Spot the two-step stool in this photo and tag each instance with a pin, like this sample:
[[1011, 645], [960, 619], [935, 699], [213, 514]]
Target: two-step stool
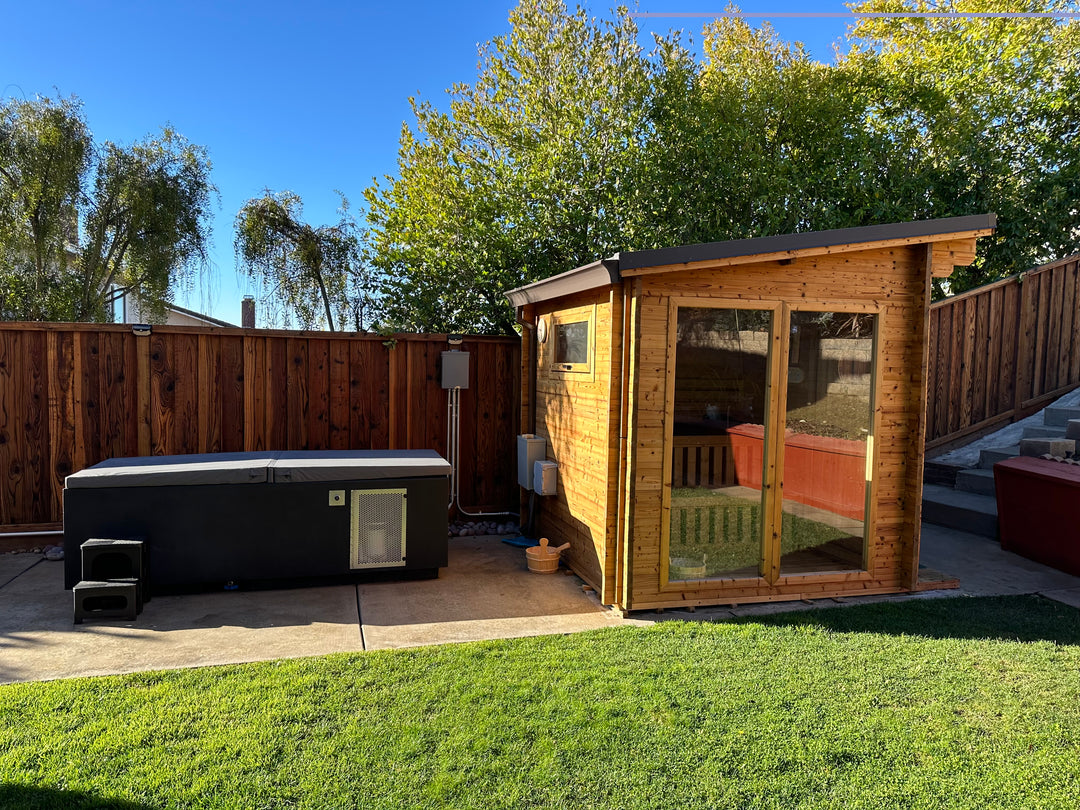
[[113, 584]]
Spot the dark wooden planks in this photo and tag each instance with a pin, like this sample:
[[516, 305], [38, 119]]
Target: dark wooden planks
[[74, 394]]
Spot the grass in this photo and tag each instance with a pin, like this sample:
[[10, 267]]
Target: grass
[[724, 531], [837, 415], [921, 704]]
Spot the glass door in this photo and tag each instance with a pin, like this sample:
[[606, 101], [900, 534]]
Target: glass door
[[720, 402], [827, 440], [724, 519]]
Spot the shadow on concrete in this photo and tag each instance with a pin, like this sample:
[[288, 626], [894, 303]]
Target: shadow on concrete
[[35, 601], [29, 797], [1006, 618]]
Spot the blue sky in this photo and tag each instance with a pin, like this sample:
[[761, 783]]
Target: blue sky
[[307, 96]]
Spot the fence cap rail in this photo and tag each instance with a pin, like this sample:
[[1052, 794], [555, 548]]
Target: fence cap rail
[[237, 331]]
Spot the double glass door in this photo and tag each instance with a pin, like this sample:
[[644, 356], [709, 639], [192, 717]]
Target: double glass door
[[771, 413]]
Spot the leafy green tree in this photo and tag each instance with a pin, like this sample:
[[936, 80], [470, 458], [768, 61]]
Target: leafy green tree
[[317, 275], [989, 109], [760, 139], [80, 226], [528, 173], [45, 151], [572, 144]]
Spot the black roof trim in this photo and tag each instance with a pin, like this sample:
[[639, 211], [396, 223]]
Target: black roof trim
[[608, 271], [802, 241], [600, 273]]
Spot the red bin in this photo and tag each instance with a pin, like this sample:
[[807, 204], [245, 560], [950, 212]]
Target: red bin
[[1039, 510]]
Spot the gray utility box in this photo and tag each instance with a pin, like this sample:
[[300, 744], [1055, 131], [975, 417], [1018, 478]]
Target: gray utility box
[[530, 449], [545, 477], [455, 370], [284, 517]]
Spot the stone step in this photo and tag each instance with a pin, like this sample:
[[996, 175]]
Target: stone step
[[964, 511], [1072, 429], [1045, 432], [980, 482], [1059, 415], [992, 455], [1042, 447]]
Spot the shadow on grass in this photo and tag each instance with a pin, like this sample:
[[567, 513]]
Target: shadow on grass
[[1008, 618], [29, 797]]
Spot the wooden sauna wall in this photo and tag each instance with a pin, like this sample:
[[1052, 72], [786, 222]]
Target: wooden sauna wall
[[578, 414], [895, 282]]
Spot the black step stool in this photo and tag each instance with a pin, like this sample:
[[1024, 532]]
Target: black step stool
[[107, 559], [105, 600]]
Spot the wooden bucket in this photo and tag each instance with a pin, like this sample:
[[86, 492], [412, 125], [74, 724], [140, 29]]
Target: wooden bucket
[[543, 559]]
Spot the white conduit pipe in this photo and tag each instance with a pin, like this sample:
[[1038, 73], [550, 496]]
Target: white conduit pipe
[[31, 534], [453, 404]]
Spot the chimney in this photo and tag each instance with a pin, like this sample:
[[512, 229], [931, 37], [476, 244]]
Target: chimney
[[247, 312]]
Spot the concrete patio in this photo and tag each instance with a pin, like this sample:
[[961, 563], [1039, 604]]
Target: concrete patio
[[485, 593]]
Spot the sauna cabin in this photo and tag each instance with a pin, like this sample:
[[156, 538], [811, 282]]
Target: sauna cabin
[[739, 421]]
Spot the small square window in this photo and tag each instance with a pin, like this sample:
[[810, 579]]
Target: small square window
[[572, 343]]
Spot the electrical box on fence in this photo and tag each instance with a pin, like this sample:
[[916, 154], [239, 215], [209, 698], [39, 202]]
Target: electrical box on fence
[[455, 370], [530, 449], [545, 476]]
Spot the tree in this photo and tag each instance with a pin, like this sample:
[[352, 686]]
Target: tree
[[45, 152], [527, 174], [316, 274], [990, 109], [143, 210], [572, 144], [760, 139]]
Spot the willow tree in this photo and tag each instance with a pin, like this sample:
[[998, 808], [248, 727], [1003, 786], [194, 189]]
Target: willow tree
[[81, 225], [315, 275]]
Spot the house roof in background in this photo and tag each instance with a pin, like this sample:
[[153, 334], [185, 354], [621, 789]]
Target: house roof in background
[[639, 262], [200, 316]]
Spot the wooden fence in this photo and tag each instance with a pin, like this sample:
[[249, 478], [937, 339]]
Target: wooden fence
[[72, 395], [1004, 350]]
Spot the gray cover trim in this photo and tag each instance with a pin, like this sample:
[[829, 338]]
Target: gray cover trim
[[282, 467], [588, 277], [296, 466], [189, 470]]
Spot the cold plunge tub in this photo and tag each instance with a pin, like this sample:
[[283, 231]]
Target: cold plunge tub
[[288, 517]]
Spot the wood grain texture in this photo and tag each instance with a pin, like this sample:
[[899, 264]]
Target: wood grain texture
[[72, 395], [895, 284], [574, 413], [999, 349]]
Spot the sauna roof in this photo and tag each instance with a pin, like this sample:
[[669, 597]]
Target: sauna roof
[[766, 248]]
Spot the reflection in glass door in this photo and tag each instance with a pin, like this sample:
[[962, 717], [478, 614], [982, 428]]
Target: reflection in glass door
[[721, 399], [826, 442]]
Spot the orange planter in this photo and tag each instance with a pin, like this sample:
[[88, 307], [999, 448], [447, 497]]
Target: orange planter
[[819, 471]]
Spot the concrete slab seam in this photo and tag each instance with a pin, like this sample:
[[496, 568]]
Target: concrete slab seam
[[360, 619], [5, 584]]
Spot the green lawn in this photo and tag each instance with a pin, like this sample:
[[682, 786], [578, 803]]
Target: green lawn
[[930, 703]]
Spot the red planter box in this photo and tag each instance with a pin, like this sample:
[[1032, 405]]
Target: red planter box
[[818, 471], [1037, 511]]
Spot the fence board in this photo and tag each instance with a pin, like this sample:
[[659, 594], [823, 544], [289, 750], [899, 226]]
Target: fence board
[[74, 394], [1003, 348]]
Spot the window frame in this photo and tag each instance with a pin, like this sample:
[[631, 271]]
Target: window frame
[[583, 314]]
